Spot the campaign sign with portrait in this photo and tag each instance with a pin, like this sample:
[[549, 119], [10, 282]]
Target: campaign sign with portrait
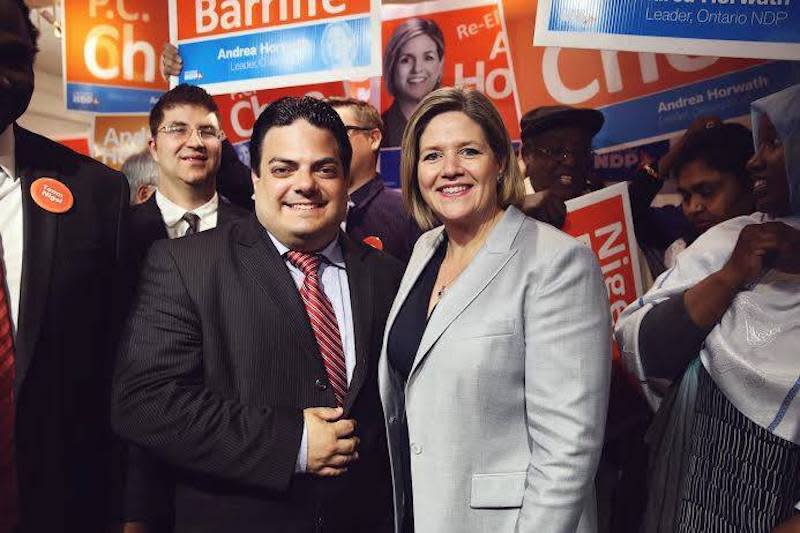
[[602, 220], [763, 29], [238, 111], [110, 53], [241, 45], [461, 43]]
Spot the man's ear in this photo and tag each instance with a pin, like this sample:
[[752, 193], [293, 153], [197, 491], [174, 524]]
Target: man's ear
[[151, 145], [375, 138], [144, 192], [253, 177]]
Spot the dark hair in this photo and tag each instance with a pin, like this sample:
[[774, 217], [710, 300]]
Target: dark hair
[[725, 148], [183, 94], [288, 110], [413, 27], [26, 14]]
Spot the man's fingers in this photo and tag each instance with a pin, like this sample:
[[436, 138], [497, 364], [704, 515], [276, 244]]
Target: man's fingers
[[345, 427], [331, 471], [329, 414], [341, 460]]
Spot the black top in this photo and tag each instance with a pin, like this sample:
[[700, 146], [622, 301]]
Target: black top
[[412, 318]]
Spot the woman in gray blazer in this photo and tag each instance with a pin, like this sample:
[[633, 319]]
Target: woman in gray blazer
[[495, 366]]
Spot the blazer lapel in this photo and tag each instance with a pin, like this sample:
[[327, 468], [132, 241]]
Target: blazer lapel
[[153, 223], [488, 262], [268, 271], [39, 233], [361, 284]]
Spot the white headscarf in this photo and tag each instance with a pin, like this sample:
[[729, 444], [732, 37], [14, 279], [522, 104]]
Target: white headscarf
[[753, 353]]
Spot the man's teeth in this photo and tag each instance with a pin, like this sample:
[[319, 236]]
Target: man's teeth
[[303, 206]]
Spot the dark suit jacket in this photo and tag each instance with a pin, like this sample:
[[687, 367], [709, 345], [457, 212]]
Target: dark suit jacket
[[66, 327], [216, 364], [378, 211], [145, 483], [147, 226]]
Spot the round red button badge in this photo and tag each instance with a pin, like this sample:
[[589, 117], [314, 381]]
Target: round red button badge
[[51, 195], [374, 241]]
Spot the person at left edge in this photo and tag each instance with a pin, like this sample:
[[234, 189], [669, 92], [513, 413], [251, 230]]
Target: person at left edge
[[57, 303], [251, 369]]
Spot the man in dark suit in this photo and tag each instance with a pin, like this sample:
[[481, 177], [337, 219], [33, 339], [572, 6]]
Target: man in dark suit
[[249, 361], [60, 227], [187, 147], [375, 213]]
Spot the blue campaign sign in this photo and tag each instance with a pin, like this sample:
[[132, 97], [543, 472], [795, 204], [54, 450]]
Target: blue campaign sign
[[661, 114], [102, 99], [231, 46], [767, 29]]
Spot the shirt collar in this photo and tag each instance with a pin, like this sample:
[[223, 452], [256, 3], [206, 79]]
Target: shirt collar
[[172, 212], [332, 252], [7, 161]]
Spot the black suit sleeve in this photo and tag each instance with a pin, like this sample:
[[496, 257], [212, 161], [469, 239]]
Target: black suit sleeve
[[233, 178], [161, 401]]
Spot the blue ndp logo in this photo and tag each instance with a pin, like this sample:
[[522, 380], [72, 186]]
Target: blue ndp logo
[[339, 45]]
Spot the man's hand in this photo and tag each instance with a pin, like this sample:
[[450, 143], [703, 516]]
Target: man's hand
[[768, 245], [546, 206], [171, 62], [331, 443]]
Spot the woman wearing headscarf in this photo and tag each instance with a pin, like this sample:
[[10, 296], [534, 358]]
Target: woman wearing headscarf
[[731, 461]]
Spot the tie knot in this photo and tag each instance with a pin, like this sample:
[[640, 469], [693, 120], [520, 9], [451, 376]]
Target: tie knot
[[306, 262], [193, 220]]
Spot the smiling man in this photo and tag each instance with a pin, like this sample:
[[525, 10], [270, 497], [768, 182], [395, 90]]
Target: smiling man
[[249, 364], [187, 147]]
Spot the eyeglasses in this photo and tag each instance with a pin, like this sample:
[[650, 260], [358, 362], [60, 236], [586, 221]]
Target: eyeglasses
[[562, 154], [182, 132], [353, 129]]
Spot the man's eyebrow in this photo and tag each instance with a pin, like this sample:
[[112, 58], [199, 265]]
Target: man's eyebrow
[[325, 161], [281, 160]]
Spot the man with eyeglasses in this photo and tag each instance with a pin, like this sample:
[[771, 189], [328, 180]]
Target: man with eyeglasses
[[375, 213], [186, 145], [557, 153]]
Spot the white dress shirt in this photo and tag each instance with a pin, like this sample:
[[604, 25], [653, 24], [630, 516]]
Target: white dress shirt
[[10, 222], [333, 276], [172, 214]]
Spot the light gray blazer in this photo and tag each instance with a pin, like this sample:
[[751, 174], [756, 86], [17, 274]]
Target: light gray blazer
[[507, 397]]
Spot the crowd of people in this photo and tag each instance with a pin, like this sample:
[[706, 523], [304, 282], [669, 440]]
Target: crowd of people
[[293, 347]]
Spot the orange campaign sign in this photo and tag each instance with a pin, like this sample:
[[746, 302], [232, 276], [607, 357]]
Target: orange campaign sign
[[602, 220], [78, 144], [238, 111], [458, 43], [111, 52], [117, 137]]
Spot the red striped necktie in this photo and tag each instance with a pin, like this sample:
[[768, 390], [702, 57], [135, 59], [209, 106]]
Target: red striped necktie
[[323, 321], [8, 476]]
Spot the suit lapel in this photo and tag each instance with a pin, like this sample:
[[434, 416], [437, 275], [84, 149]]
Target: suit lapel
[[268, 271], [154, 228], [40, 229], [488, 262], [361, 283]]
